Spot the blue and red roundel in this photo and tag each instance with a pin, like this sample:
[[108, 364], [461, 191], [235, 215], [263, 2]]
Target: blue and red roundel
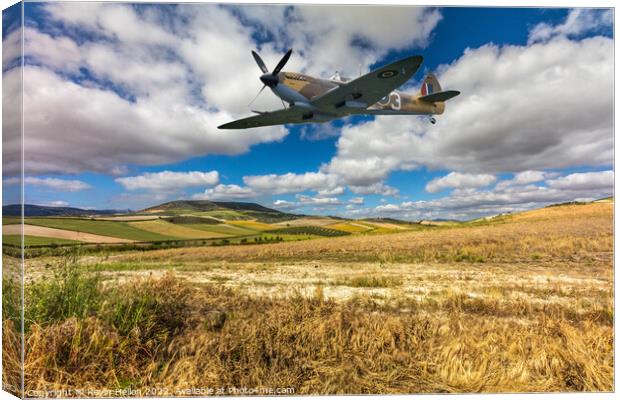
[[427, 88]]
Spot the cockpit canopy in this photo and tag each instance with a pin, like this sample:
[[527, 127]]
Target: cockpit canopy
[[337, 78]]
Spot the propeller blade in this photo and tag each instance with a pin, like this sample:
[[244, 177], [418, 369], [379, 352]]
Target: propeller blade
[[256, 97], [260, 62], [282, 62]]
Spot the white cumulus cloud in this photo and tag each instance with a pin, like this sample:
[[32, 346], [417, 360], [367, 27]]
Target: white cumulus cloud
[[293, 183], [578, 22], [55, 184], [169, 180], [457, 180], [225, 192], [584, 181]]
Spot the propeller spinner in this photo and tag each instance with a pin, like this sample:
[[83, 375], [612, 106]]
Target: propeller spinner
[[269, 79]]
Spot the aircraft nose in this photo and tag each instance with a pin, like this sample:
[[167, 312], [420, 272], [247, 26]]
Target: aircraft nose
[[269, 79]]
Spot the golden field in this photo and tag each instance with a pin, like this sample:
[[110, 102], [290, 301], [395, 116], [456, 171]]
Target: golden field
[[520, 303]]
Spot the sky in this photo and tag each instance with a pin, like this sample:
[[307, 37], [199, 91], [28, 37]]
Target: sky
[[122, 104]]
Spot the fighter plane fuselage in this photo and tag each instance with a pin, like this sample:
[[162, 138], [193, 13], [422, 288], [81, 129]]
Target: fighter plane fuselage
[[294, 88], [315, 100]]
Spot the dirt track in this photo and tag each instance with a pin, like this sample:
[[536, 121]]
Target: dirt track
[[61, 234]]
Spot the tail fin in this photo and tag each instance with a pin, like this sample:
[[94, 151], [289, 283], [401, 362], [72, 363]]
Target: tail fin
[[431, 91], [430, 85]]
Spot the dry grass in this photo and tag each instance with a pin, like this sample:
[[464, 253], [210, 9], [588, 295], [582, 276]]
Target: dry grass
[[521, 306], [317, 345]]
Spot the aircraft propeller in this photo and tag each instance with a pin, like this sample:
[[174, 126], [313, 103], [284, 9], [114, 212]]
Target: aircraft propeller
[[269, 78]]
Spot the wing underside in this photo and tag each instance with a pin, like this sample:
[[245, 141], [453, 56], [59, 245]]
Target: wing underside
[[291, 115]]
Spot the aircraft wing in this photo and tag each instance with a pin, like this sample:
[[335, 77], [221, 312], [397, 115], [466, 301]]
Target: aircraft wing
[[283, 116], [369, 88]]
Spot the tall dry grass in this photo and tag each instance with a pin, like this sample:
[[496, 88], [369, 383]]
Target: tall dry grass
[[316, 345]]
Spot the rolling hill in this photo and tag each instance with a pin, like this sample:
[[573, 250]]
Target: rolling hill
[[220, 209]]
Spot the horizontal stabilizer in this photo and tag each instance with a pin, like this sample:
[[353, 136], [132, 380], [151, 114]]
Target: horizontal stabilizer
[[440, 96]]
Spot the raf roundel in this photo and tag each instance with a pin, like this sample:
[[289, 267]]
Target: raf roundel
[[387, 74]]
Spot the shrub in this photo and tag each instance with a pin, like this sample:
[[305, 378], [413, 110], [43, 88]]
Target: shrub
[[70, 293]]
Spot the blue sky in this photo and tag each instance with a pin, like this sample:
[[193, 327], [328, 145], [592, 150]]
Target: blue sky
[[122, 103]]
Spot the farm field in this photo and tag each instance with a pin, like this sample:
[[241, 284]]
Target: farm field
[[181, 222], [253, 225], [60, 235], [36, 240], [515, 304], [351, 227], [164, 228], [116, 229]]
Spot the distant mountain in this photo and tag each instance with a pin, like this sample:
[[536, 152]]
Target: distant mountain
[[220, 209], [182, 205], [241, 206], [206, 205], [33, 210]]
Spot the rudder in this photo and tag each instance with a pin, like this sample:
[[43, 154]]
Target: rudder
[[430, 85]]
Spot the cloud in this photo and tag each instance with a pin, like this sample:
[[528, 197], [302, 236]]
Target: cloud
[[139, 101], [457, 180], [521, 108], [529, 177], [11, 48], [357, 200], [375, 188], [147, 85], [387, 208], [285, 205], [318, 201], [342, 38], [336, 191], [584, 181], [293, 183], [54, 184], [225, 192], [11, 121], [469, 204], [56, 203], [168, 180], [578, 22], [313, 132]]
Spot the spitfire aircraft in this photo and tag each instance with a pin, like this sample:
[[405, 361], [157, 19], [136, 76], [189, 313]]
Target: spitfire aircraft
[[320, 100]]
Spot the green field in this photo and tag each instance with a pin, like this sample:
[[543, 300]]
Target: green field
[[191, 219], [230, 215], [11, 220], [106, 228], [253, 225], [181, 231], [223, 229], [15, 240]]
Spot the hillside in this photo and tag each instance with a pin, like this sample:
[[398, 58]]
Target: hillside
[[182, 205], [220, 209]]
